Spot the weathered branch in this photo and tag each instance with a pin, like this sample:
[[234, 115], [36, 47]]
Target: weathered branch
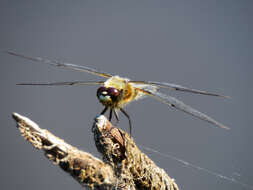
[[124, 166]]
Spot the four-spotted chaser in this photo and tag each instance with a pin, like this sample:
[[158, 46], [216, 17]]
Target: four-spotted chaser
[[116, 92]]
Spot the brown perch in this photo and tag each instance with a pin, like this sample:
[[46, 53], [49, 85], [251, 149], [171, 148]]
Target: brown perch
[[123, 166]]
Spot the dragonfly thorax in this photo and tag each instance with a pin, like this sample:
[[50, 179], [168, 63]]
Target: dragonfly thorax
[[108, 96]]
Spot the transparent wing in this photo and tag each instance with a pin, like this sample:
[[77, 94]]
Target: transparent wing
[[74, 83], [63, 65], [173, 102], [177, 87]]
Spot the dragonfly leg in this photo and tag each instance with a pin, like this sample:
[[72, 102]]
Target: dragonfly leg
[[104, 110], [116, 116], [129, 120], [110, 116]]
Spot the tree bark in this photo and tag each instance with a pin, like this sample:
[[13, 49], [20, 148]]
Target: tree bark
[[123, 165]]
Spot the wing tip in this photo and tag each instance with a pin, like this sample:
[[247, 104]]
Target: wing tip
[[224, 127], [13, 53], [9, 52], [213, 94], [228, 97], [29, 84]]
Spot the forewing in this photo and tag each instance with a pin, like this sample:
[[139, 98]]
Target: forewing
[[177, 87], [74, 83], [173, 102], [63, 65]]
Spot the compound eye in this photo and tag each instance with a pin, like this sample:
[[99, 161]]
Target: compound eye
[[101, 90], [113, 92]]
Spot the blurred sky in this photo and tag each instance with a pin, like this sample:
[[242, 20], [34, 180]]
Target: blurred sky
[[205, 45]]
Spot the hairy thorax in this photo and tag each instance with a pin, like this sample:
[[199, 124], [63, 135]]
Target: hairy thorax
[[122, 84]]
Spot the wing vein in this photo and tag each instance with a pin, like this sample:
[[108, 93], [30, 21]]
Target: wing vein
[[62, 64], [71, 83], [177, 87], [173, 102]]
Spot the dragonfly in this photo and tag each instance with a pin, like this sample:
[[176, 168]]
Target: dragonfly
[[116, 92]]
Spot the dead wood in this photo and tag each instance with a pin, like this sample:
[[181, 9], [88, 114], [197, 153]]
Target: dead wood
[[123, 165]]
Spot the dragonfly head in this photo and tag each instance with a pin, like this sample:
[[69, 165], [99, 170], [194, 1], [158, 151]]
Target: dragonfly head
[[108, 96]]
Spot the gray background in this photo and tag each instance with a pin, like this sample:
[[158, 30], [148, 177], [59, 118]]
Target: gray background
[[201, 44]]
